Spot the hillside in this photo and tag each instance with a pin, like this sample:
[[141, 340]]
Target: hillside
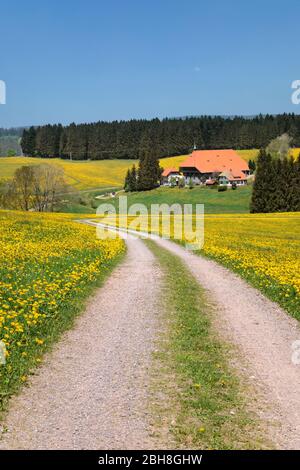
[[82, 175], [100, 174], [215, 202], [10, 141]]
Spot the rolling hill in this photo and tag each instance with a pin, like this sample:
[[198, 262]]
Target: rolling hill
[[97, 174]]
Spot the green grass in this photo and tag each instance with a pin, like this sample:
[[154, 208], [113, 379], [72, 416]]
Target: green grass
[[215, 202], [203, 401], [82, 202]]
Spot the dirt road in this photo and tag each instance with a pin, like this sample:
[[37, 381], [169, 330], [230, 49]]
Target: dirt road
[[264, 335], [92, 390]]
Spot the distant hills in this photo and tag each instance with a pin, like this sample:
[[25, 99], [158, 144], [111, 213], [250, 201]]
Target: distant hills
[[10, 141]]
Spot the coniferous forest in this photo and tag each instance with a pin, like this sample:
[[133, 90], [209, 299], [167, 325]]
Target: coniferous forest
[[129, 139], [277, 184]]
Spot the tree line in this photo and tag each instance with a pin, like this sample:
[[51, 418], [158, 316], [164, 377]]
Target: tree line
[[129, 139], [16, 131], [277, 184], [10, 142]]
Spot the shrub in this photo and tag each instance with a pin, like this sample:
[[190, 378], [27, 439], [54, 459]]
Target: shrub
[[222, 188], [181, 183], [172, 182]]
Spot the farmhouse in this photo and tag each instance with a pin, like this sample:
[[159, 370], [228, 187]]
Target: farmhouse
[[168, 174], [223, 166]]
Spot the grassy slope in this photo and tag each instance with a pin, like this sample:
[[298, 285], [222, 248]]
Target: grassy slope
[[93, 177], [109, 174], [224, 202], [203, 406], [251, 154], [82, 175]]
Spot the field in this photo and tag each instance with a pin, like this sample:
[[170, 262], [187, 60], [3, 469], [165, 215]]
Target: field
[[49, 264], [215, 202], [102, 174], [83, 175], [80, 175], [251, 154], [263, 249]]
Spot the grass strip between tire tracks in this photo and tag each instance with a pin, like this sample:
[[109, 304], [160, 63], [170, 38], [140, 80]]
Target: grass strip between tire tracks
[[204, 404]]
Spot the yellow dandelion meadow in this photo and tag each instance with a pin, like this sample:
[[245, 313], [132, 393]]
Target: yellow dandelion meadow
[[46, 261]]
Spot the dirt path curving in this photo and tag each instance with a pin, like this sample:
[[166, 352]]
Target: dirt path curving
[[264, 334], [92, 390]]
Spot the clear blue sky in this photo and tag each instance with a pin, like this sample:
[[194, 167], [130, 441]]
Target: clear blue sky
[[90, 60]]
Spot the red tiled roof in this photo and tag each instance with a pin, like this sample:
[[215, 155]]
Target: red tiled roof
[[210, 161], [168, 171], [235, 176]]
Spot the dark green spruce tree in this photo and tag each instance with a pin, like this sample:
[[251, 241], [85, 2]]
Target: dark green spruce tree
[[252, 165], [263, 187], [28, 142], [295, 186], [130, 183], [149, 171], [133, 178], [127, 179]]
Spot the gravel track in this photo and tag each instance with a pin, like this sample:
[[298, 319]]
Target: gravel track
[[92, 391], [264, 334]]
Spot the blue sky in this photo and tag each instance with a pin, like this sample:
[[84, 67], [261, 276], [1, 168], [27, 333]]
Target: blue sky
[[84, 61]]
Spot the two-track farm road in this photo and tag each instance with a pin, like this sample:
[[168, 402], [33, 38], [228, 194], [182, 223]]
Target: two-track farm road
[[91, 392], [264, 334]]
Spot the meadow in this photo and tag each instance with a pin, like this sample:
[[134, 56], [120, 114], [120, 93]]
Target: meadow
[[83, 175], [48, 266], [101, 174], [262, 248], [215, 202], [80, 175]]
